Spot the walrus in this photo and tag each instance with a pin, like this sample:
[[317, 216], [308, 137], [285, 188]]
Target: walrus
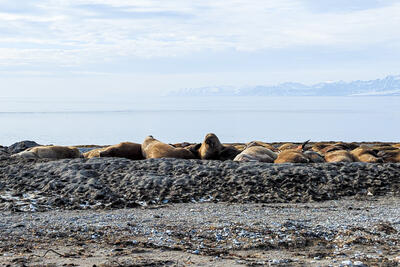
[[263, 144], [152, 148], [184, 144], [211, 148], [338, 146], [314, 157], [318, 147], [287, 146], [94, 153], [383, 147], [366, 154], [51, 152], [127, 150], [240, 147], [396, 145], [293, 155], [256, 152], [390, 155], [339, 156]]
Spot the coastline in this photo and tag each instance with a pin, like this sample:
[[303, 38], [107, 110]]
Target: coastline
[[332, 233], [174, 212]]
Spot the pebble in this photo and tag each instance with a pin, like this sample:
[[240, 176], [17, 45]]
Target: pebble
[[347, 263]]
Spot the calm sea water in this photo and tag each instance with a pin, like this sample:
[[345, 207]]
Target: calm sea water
[[233, 119]]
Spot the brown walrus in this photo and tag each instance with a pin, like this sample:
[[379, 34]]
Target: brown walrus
[[123, 150], [256, 152], [383, 147], [211, 148], [339, 156], [152, 148], [318, 147], [287, 146], [93, 153], [293, 155], [50, 152], [263, 144], [184, 144], [314, 157], [366, 154], [390, 155], [239, 147]]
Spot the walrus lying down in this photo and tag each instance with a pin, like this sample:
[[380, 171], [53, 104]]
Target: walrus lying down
[[122, 150], [256, 152], [366, 154], [152, 148], [289, 154], [339, 156], [50, 152]]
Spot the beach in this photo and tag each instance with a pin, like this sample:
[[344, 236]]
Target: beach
[[157, 212]]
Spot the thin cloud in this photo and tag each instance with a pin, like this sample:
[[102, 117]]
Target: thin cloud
[[98, 31]]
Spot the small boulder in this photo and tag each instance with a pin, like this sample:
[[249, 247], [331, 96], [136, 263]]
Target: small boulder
[[21, 146]]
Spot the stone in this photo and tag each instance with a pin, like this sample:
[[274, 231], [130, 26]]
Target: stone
[[21, 146]]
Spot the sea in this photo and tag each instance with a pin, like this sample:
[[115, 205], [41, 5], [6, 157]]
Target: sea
[[102, 121]]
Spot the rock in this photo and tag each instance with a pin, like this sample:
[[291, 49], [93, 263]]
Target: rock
[[359, 264], [347, 263], [21, 146]]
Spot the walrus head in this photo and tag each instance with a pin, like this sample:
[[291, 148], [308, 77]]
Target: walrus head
[[211, 147]]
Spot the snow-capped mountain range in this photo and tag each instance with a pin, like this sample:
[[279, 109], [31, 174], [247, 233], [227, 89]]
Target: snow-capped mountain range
[[388, 86]]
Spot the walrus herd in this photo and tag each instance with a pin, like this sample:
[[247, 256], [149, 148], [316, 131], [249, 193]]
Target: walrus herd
[[212, 149]]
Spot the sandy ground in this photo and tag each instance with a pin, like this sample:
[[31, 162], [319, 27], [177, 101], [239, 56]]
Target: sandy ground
[[343, 232]]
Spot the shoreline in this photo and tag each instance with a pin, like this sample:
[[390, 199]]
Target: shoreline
[[331, 233], [158, 212]]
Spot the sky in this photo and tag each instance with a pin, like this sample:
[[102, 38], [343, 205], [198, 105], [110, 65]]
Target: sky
[[149, 47]]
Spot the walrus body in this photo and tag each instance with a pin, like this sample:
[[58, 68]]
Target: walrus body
[[292, 156], [263, 144], [287, 146], [152, 148], [366, 154], [256, 153], [50, 152], [123, 150], [94, 153], [318, 147], [314, 157], [228, 153], [339, 156], [390, 156], [339, 146], [383, 147]]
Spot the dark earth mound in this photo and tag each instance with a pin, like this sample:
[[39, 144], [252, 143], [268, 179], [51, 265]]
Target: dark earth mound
[[38, 185]]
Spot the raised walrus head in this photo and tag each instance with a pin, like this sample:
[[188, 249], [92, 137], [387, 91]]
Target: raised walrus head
[[211, 147]]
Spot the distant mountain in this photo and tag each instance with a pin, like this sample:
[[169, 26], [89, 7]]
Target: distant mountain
[[389, 86]]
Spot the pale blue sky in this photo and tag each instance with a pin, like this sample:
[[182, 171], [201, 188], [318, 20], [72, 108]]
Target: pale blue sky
[[121, 47]]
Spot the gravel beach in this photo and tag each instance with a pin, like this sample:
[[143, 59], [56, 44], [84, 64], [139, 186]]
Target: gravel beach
[[337, 233], [157, 212]]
